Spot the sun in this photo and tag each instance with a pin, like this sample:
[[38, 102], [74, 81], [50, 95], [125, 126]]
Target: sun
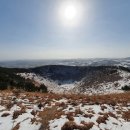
[[70, 12]]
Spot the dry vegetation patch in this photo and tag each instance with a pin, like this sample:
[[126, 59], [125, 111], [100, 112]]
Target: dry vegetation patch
[[5, 114], [17, 113], [16, 127], [126, 115], [72, 126], [102, 119], [53, 106], [49, 114]]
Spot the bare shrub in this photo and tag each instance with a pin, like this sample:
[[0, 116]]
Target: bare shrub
[[9, 105], [23, 109], [126, 115], [70, 117], [78, 111], [113, 103], [16, 114], [33, 120], [33, 112], [74, 103], [88, 115], [102, 119], [72, 125], [87, 125], [49, 114], [40, 105], [103, 107], [63, 105], [5, 114], [112, 115], [16, 127], [69, 126]]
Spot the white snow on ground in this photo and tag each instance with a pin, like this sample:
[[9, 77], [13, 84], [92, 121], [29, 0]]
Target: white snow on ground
[[111, 122], [51, 85], [56, 124], [73, 87], [82, 112], [24, 120]]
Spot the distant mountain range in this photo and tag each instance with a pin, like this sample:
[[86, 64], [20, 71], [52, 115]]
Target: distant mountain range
[[71, 62]]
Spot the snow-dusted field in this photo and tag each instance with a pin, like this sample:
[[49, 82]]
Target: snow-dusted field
[[36, 111]]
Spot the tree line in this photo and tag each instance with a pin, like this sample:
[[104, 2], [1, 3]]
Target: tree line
[[10, 80]]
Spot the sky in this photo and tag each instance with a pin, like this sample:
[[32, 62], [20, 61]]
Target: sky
[[64, 29]]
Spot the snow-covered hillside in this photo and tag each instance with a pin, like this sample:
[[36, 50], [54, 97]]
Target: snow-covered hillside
[[52, 86], [106, 87], [88, 80]]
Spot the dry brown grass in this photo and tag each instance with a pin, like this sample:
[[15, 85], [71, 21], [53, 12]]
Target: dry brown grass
[[49, 114], [78, 111], [33, 120], [72, 125], [126, 115], [102, 119], [23, 109], [87, 125], [74, 99], [70, 117], [69, 126], [111, 99], [88, 115], [62, 105], [18, 112], [16, 92], [112, 115]]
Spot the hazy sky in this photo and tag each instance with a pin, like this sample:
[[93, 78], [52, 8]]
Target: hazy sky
[[39, 29]]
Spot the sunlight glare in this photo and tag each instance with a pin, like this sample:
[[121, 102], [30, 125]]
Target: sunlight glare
[[70, 13]]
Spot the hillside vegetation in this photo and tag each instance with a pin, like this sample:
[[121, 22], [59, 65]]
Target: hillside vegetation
[[10, 80]]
